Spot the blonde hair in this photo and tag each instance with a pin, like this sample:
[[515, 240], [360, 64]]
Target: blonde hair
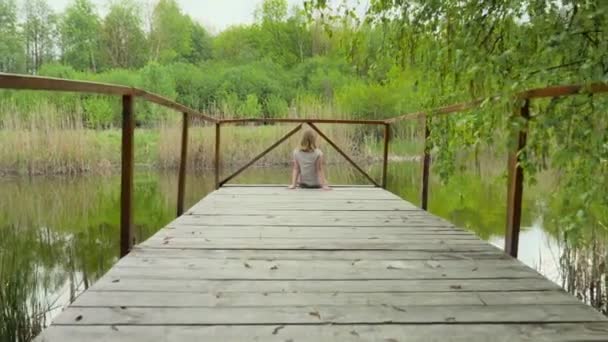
[[309, 141]]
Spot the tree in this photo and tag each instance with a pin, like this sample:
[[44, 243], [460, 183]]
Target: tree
[[202, 44], [123, 39], [278, 36], [12, 58], [39, 31], [80, 29], [238, 44], [272, 11], [171, 35]]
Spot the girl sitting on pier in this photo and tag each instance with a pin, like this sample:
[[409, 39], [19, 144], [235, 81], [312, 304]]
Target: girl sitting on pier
[[308, 170]]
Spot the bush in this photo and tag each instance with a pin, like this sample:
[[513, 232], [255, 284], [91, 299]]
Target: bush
[[229, 104], [368, 101], [100, 113], [276, 107], [250, 108]]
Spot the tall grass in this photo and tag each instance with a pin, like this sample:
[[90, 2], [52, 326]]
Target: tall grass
[[23, 312], [47, 141]]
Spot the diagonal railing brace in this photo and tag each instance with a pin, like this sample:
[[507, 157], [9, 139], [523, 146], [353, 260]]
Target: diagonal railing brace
[[342, 153], [266, 151]]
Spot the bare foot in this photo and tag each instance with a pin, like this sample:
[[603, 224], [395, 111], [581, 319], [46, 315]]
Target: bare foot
[[291, 187], [326, 187]]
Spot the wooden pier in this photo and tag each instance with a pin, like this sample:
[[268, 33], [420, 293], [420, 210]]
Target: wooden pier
[[264, 263], [356, 263]]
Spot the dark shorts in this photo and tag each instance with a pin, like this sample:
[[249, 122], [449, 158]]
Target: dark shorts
[[309, 186]]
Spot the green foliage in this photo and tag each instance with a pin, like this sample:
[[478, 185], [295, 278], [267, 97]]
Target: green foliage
[[202, 45], [238, 44], [99, 112], [12, 51], [276, 107], [80, 30], [229, 104], [368, 100], [250, 107], [157, 79], [171, 36], [38, 32], [123, 39]]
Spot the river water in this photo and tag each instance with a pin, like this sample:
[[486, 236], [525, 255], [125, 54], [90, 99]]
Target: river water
[[67, 229]]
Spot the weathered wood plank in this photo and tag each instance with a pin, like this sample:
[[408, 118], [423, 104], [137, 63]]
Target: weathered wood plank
[[313, 233], [357, 265], [318, 314], [547, 332], [300, 244], [245, 254], [251, 207], [308, 221], [312, 194], [196, 299], [109, 283], [320, 271], [258, 190]]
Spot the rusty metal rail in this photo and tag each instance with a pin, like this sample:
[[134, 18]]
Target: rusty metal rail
[[128, 94]]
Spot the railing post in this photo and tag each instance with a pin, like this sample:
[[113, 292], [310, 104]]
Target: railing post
[[426, 164], [387, 137], [181, 182], [126, 180], [217, 155], [515, 186]]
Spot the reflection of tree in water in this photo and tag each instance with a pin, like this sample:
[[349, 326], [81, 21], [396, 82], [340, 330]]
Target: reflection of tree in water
[[583, 268], [26, 256], [58, 236], [578, 223]]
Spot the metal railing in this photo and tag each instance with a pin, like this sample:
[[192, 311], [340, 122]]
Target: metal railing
[[515, 171]]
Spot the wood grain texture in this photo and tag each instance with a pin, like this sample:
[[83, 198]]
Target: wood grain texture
[[328, 314], [268, 264], [530, 332]]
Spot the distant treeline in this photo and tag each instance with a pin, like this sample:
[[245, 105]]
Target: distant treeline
[[282, 62]]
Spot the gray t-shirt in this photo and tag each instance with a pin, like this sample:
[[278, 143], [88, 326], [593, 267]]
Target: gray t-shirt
[[308, 166]]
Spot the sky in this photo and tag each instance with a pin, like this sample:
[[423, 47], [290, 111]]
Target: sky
[[215, 15]]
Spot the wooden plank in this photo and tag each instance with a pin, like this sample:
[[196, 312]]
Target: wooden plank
[[307, 244], [196, 299], [227, 254], [370, 215], [352, 186], [109, 283], [256, 191], [312, 271], [345, 314], [312, 194], [412, 240], [308, 220], [272, 189], [278, 205], [547, 332], [319, 264], [313, 232]]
